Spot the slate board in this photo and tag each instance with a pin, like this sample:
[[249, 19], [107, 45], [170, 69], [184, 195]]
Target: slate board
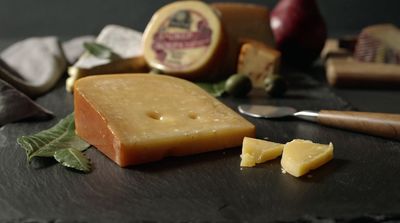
[[362, 179]]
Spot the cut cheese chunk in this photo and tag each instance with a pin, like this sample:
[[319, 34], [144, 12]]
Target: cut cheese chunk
[[123, 41], [332, 50], [379, 44], [259, 151], [301, 156], [258, 61], [139, 118], [243, 21], [184, 39]]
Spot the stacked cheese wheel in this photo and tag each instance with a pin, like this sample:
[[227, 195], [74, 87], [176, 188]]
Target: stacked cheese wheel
[[194, 40]]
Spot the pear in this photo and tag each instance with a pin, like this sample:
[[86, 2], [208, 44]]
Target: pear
[[299, 30]]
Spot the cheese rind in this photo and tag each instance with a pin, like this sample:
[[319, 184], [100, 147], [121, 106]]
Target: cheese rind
[[301, 156], [256, 151], [184, 39], [258, 61], [139, 118]]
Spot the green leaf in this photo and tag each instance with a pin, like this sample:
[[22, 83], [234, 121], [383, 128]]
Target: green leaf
[[47, 142], [73, 158], [215, 89], [100, 51]]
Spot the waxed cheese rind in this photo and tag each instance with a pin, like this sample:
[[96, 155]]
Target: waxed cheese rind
[[256, 151], [204, 65], [146, 117], [301, 156]]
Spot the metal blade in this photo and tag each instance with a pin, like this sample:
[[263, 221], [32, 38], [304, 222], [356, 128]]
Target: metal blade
[[266, 111]]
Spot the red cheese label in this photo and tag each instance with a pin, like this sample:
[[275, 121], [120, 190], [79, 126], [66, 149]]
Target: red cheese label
[[182, 39]]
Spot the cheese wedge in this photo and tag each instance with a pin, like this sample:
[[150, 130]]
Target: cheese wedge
[[121, 40], [242, 21], [379, 44], [259, 151], [184, 39], [301, 156], [258, 61], [139, 118]]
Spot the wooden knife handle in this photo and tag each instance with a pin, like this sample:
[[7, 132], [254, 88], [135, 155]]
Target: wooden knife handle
[[379, 124]]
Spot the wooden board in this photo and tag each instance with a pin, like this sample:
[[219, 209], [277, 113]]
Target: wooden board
[[362, 179]]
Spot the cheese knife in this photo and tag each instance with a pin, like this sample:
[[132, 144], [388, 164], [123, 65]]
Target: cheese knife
[[379, 124]]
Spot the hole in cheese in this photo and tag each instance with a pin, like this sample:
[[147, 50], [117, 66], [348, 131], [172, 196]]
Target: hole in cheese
[[154, 115], [193, 115]]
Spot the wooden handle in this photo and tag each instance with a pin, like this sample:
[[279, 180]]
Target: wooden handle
[[379, 124], [347, 72]]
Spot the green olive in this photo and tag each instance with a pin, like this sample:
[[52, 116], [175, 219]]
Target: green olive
[[275, 85], [238, 85], [155, 71]]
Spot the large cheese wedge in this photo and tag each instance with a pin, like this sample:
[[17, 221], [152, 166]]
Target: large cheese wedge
[[184, 39], [121, 40], [139, 118], [243, 21], [379, 44], [258, 61], [259, 151], [301, 156]]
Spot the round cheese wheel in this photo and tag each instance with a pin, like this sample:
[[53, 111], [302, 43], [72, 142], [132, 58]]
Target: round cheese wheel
[[184, 39]]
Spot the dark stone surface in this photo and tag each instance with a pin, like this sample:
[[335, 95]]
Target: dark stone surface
[[362, 179]]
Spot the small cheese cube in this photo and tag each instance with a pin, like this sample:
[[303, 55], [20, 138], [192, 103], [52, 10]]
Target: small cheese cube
[[259, 151], [139, 118], [301, 156], [258, 61], [242, 21]]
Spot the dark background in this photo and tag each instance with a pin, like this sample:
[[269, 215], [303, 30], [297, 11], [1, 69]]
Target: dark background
[[20, 19]]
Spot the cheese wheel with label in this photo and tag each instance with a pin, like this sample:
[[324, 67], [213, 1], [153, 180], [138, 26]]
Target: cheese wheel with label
[[184, 39]]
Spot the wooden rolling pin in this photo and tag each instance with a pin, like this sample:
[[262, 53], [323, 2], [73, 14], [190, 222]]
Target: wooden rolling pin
[[347, 72]]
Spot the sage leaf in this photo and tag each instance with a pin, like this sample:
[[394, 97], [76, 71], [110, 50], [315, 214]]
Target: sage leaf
[[47, 142], [100, 51], [215, 89], [73, 158]]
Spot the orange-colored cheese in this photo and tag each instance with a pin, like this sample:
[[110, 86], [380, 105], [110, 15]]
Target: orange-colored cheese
[[139, 118], [184, 39], [243, 21], [258, 61]]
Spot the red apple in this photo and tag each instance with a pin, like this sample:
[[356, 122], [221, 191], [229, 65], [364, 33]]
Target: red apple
[[299, 31]]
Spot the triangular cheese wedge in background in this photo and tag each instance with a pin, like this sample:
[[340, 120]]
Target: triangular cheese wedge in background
[[139, 118]]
